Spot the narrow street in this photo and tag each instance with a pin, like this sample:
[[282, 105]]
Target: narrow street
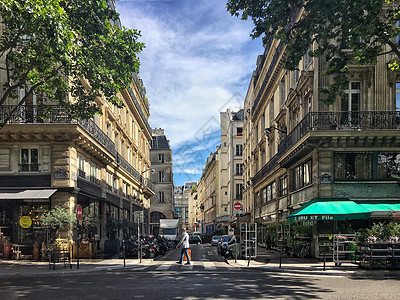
[[209, 277]]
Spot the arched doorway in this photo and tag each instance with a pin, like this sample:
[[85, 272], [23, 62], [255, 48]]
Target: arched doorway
[[155, 217]]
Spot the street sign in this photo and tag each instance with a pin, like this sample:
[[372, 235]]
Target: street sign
[[78, 212], [237, 206], [138, 217]]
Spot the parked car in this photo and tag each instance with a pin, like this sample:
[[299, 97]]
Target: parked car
[[215, 240], [223, 243], [195, 239]]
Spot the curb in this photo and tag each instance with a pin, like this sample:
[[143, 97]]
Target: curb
[[67, 271]]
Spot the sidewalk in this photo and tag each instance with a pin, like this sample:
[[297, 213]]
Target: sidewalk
[[270, 261], [13, 268]]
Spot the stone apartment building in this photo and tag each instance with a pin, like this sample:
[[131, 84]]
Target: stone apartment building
[[230, 165], [162, 202], [296, 149], [102, 164], [208, 192]]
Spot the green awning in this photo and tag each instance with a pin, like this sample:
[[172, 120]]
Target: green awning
[[329, 209], [380, 208]]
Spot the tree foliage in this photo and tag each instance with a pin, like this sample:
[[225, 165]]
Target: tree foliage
[[346, 32], [50, 47], [57, 218]]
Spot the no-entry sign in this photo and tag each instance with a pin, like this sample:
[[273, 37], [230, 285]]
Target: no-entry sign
[[78, 212], [237, 206]]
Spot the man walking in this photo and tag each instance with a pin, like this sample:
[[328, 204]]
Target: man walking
[[185, 247]]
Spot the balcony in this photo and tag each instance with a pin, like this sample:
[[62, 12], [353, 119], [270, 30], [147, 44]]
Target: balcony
[[128, 167], [27, 114], [335, 122], [341, 121]]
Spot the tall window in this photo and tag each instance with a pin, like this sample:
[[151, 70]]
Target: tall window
[[306, 60], [117, 142], [351, 103], [239, 131], [282, 91], [161, 158], [295, 77], [239, 150], [283, 186], [302, 175], [271, 110], [161, 197], [160, 176], [388, 164], [30, 159], [397, 96], [353, 166], [239, 191], [239, 169], [115, 184]]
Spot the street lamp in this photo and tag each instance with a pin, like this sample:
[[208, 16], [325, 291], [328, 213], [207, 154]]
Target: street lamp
[[269, 130]]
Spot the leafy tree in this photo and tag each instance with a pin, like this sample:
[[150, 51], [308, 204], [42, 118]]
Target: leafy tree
[[63, 50], [346, 32], [56, 219]]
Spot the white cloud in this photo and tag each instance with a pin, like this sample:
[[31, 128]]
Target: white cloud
[[197, 60]]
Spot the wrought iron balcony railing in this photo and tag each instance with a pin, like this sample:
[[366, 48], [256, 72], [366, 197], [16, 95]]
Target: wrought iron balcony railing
[[149, 184], [332, 121], [53, 115], [128, 167], [56, 115], [342, 121]]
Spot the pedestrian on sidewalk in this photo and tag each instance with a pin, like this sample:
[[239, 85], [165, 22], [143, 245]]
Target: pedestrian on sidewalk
[[185, 247]]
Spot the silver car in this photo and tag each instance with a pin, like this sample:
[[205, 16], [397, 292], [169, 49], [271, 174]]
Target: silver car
[[215, 239]]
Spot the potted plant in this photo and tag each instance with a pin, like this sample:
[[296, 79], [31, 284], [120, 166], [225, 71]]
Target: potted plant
[[55, 221]]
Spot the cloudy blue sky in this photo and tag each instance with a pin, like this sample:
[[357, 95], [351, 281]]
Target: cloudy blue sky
[[197, 62]]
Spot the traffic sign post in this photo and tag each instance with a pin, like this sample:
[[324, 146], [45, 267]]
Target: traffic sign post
[[78, 212], [238, 208], [78, 217]]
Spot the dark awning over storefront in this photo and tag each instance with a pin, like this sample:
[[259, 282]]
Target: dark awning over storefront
[[26, 194], [344, 209]]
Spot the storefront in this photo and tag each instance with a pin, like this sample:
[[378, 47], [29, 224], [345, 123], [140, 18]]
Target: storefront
[[329, 217], [20, 211]]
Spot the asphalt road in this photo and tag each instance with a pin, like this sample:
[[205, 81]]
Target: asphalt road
[[208, 278]]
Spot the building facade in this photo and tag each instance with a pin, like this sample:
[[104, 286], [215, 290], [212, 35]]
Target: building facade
[[162, 202], [208, 193], [297, 149], [47, 160], [230, 184]]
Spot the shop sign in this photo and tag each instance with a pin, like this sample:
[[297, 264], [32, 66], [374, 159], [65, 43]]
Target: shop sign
[[60, 174], [326, 179], [25, 222], [314, 218]]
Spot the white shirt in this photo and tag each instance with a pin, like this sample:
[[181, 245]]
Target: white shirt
[[185, 240]]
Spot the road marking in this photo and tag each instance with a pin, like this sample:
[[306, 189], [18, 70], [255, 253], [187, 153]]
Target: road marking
[[164, 266], [209, 265]]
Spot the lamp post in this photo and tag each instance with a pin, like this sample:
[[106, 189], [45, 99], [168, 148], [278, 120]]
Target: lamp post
[[269, 130]]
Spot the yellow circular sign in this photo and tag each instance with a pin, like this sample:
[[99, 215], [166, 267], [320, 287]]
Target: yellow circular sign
[[25, 222]]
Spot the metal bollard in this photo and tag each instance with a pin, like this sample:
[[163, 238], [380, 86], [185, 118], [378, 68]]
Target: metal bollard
[[123, 249]]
